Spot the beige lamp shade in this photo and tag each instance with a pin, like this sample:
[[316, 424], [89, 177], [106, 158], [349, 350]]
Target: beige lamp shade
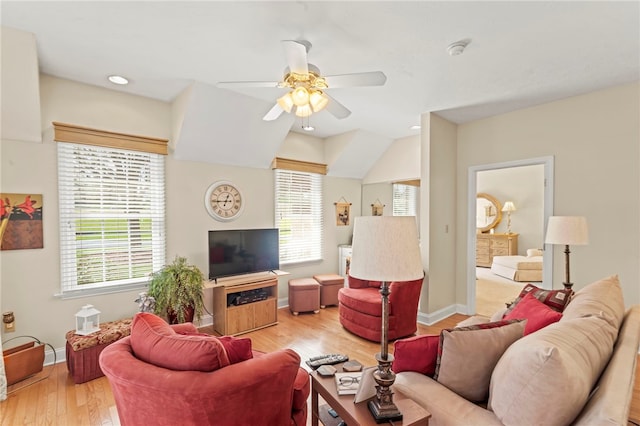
[[509, 207], [568, 230], [386, 248]]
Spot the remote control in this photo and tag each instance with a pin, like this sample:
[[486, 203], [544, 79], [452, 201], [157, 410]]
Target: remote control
[[329, 359]]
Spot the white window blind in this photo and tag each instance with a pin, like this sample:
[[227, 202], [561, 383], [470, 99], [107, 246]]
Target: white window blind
[[112, 216], [298, 215], [405, 200]]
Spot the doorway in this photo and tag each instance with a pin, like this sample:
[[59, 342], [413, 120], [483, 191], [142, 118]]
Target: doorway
[[531, 237]]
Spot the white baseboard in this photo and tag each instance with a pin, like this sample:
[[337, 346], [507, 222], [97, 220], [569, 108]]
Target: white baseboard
[[60, 356]]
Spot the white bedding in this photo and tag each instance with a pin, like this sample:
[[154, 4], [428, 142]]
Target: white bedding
[[518, 268]]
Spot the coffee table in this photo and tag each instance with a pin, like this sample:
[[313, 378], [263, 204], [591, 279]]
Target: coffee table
[[358, 414]]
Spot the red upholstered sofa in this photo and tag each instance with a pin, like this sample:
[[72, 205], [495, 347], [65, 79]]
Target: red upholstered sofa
[[267, 389], [361, 308]]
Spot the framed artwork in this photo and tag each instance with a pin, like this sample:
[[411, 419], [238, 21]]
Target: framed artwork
[[21, 221], [343, 213], [377, 208]]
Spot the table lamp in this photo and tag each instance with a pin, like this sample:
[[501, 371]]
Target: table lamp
[[509, 207], [385, 249], [567, 230]]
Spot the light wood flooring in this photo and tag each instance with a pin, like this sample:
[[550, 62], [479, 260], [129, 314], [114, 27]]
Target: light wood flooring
[[58, 401]]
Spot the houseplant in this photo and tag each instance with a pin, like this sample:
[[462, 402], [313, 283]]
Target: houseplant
[[178, 291]]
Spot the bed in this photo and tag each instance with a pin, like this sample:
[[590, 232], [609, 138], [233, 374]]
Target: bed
[[518, 268]]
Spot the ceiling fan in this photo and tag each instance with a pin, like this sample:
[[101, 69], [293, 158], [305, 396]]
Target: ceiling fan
[[308, 86]]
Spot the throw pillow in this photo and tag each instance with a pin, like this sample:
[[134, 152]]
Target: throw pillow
[[467, 356], [155, 342], [537, 314], [555, 299], [546, 377], [418, 353], [238, 349], [602, 298]]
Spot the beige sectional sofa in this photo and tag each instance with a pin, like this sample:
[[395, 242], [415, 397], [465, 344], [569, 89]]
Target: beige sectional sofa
[[579, 370]]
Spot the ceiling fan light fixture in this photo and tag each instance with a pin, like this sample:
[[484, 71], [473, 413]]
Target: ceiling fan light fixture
[[286, 102], [318, 100], [300, 96], [303, 111]]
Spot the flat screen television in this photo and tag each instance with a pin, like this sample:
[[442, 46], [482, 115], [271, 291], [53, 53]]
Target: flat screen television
[[242, 251]]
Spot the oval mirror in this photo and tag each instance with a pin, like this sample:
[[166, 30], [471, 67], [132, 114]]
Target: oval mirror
[[488, 212]]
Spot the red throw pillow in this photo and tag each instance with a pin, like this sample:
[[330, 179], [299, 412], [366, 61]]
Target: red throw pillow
[[537, 314], [418, 353], [555, 299], [155, 342], [238, 349]]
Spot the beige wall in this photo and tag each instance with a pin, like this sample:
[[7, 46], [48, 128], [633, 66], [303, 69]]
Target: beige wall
[[30, 278], [438, 200], [594, 139]]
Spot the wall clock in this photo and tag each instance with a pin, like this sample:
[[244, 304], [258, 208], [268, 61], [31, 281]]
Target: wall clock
[[223, 201]]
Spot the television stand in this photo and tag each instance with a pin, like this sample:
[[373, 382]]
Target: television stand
[[230, 319]]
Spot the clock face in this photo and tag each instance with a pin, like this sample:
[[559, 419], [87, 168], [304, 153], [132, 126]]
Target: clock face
[[223, 201]]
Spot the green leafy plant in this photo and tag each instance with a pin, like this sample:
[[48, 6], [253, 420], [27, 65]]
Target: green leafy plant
[[178, 289]]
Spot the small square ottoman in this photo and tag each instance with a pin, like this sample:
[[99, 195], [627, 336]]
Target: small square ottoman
[[83, 352], [330, 285], [304, 295]]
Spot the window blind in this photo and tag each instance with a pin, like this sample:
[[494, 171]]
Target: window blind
[[405, 200], [112, 216], [298, 215]]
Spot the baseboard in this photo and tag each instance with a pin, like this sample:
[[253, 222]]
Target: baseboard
[[60, 355], [439, 315]]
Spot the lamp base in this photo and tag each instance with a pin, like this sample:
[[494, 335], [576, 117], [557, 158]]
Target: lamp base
[[383, 413], [382, 407]]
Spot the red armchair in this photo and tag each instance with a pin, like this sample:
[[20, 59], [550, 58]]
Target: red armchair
[[361, 308], [269, 389]]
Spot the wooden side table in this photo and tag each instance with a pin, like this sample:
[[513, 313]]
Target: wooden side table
[[358, 414]]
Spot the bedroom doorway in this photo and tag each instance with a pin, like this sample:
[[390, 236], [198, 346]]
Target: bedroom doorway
[[528, 185]]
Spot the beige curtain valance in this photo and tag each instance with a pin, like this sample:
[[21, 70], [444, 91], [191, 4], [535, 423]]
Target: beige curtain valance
[[413, 182], [71, 133], [299, 166]]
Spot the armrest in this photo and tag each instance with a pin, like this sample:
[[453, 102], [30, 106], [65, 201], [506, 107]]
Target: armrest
[[357, 282]]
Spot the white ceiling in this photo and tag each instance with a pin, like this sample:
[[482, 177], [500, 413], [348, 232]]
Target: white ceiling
[[521, 54]]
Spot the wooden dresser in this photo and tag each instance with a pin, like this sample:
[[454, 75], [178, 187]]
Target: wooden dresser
[[489, 245]]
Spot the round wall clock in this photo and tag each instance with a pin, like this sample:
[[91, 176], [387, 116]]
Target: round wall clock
[[223, 201]]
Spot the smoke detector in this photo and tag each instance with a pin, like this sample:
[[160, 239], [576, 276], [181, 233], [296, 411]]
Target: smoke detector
[[458, 47]]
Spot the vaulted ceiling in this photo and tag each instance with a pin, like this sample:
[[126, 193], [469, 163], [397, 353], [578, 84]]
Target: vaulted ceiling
[[520, 54]]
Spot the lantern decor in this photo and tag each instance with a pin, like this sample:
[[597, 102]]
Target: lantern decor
[[87, 320]]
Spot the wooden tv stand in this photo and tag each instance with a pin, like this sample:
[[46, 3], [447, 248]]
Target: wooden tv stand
[[233, 320]]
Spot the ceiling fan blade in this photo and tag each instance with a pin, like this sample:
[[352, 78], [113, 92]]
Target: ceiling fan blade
[[336, 108], [238, 84], [296, 54], [373, 78], [273, 113]]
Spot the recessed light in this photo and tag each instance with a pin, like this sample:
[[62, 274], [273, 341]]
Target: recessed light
[[118, 79], [415, 127]]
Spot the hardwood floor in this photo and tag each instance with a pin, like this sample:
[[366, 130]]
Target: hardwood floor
[[58, 401]]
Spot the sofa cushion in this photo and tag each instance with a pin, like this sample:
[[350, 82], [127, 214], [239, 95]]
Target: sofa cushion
[[545, 378], [365, 300], [555, 299], [155, 342], [467, 356], [418, 353], [537, 314], [602, 298]]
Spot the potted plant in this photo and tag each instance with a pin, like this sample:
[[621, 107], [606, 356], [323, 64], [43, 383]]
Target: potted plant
[[178, 291]]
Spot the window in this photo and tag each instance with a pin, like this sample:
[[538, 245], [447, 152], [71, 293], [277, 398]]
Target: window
[[405, 200], [298, 215], [112, 217]]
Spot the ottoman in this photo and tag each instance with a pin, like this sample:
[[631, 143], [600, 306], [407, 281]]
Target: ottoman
[[83, 351], [330, 284], [304, 295]]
